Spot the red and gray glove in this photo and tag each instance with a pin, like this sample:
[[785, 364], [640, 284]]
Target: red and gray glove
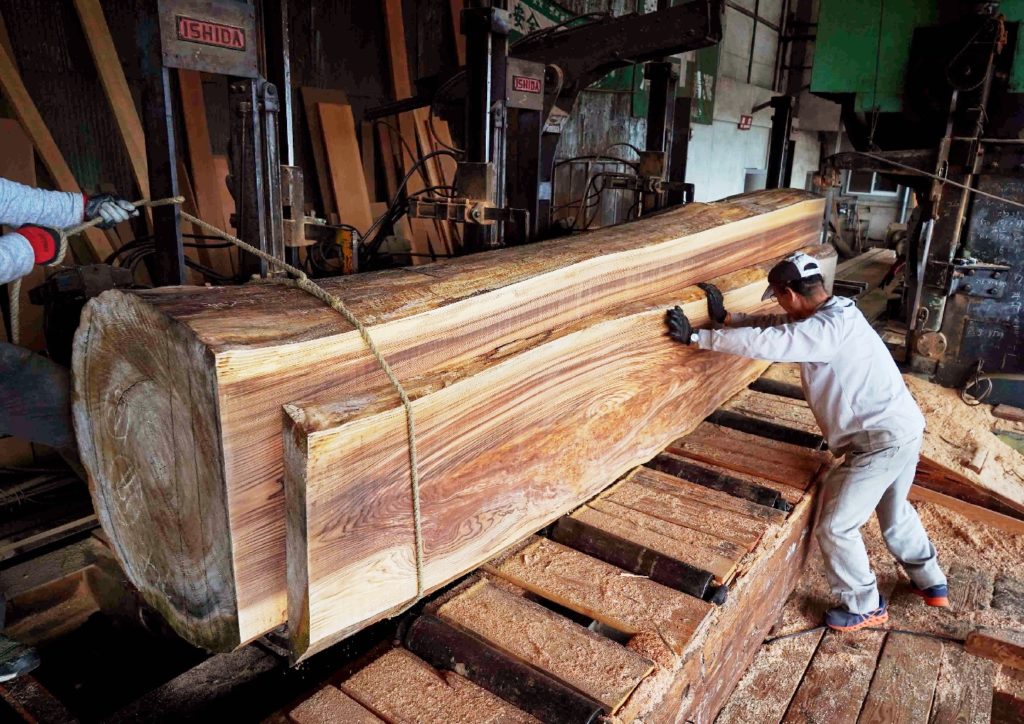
[[44, 242], [112, 209]]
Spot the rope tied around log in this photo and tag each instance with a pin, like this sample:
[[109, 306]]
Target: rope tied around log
[[303, 282]]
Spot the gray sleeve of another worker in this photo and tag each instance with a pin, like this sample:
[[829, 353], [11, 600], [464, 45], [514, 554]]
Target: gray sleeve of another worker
[[20, 204], [815, 339], [16, 257]]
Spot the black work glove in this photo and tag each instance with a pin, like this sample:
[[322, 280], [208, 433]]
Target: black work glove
[[716, 304], [112, 209], [679, 327]]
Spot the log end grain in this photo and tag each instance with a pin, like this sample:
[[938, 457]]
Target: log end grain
[[145, 411]]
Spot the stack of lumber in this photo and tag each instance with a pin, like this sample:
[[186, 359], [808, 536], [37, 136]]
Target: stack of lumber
[[560, 631], [539, 374]]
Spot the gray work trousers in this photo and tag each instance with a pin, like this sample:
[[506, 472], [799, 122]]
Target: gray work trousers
[[878, 481]]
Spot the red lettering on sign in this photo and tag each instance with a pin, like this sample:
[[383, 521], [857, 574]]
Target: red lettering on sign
[[523, 84], [206, 33]]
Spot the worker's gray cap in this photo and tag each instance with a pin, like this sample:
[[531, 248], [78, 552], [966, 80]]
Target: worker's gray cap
[[792, 268]]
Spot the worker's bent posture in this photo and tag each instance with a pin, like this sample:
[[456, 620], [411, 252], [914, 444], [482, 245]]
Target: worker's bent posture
[[863, 407], [34, 391]]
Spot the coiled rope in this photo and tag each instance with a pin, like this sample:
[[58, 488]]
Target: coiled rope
[[307, 285]]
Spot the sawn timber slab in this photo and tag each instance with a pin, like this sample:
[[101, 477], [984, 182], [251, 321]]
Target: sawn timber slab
[[199, 377], [597, 666], [628, 603], [502, 453]]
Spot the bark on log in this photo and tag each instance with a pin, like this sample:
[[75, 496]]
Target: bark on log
[[505, 446], [178, 392]]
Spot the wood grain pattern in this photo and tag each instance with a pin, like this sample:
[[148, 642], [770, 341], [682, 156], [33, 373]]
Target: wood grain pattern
[[398, 687], [838, 679], [714, 555], [763, 694], [209, 198], [1002, 646], [776, 461], [904, 682], [551, 408], [311, 97], [25, 110], [963, 693], [226, 359], [774, 408], [688, 513], [342, 149], [597, 666], [627, 603], [330, 705]]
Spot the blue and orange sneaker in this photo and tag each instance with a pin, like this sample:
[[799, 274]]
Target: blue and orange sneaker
[[937, 596], [839, 619]]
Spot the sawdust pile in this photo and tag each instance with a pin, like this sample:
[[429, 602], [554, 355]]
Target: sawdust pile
[[979, 561]]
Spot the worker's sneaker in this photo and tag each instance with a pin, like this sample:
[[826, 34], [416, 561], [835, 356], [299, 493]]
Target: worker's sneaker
[[16, 659], [937, 596], [839, 619]]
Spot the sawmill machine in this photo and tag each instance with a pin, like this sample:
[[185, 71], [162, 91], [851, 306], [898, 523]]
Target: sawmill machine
[[932, 96], [516, 96]]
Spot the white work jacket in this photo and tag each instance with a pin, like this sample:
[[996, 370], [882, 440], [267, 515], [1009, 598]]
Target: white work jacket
[[850, 380]]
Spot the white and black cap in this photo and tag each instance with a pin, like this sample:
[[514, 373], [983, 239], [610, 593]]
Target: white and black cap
[[792, 268]]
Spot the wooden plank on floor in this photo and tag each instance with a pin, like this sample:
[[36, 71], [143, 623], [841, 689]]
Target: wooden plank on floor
[[624, 601], [901, 691], [776, 461], [764, 692], [599, 667], [970, 511], [963, 693], [342, 150], [683, 488], [680, 510], [329, 705], [774, 409], [836, 683], [448, 647], [1003, 646], [714, 555], [25, 110], [398, 687], [1008, 697], [970, 588]]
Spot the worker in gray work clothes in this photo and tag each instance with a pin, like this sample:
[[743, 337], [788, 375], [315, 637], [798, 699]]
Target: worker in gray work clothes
[[35, 391], [862, 406]]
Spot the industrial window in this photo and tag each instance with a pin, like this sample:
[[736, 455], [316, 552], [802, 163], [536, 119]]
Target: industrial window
[[866, 182]]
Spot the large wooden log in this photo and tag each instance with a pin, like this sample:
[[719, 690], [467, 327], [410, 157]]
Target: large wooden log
[[178, 392], [505, 446]]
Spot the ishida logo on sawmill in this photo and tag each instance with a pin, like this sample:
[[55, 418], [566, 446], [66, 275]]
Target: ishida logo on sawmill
[[522, 84], [208, 33]]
